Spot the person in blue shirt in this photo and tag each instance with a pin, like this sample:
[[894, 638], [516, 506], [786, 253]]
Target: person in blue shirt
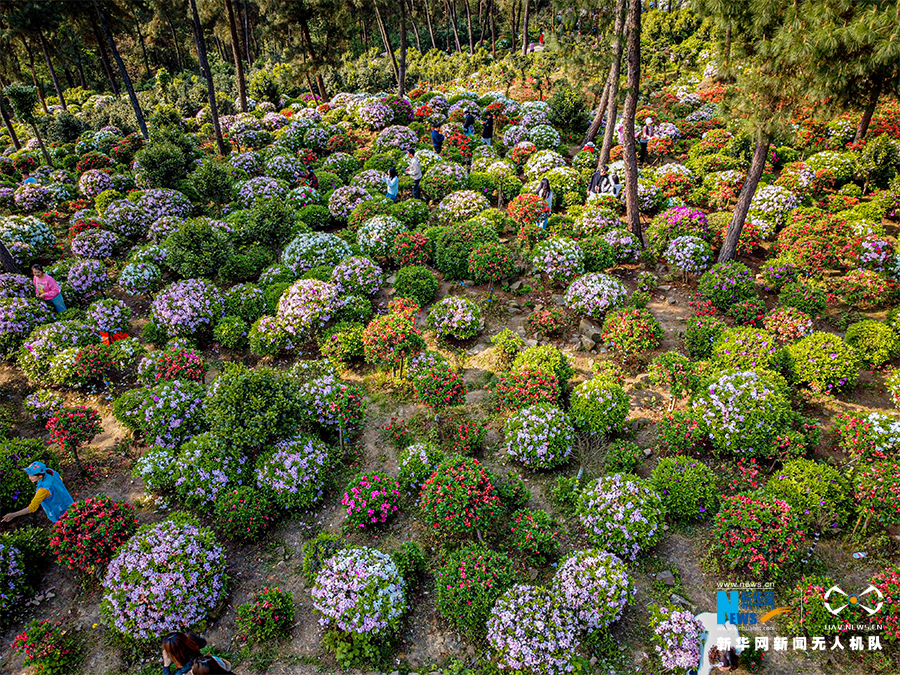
[[51, 494], [179, 651], [437, 138], [392, 180]]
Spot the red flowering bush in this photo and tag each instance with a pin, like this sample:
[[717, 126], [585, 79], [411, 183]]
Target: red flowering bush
[[371, 498], [182, 363], [438, 386], [71, 428], [660, 146], [82, 225], [865, 289], [268, 616], [520, 154], [412, 248], [92, 363], [90, 532], [888, 582], [92, 160], [632, 332], [750, 239], [339, 143], [527, 209], [682, 433], [525, 386], [125, 150], [760, 537], [467, 438], [243, 513], [491, 262], [877, 493], [461, 142], [48, 648], [459, 498], [674, 185], [534, 533], [392, 338], [548, 321], [530, 234]]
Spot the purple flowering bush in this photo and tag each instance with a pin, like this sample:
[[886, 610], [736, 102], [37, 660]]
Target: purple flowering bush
[[622, 514], [31, 197], [167, 414], [823, 362], [188, 308], [726, 284], [595, 294], [357, 276], [744, 348], [46, 341], [294, 472], [95, 243], [206, 469], [678, 637], [596, 220], [127, 218], [261, 189], [307, 306], [312, 249], [679, 221], [532, 629], [344, 199], [624, 243], [167, 577], [331, 405], [397, 137], [540, 436], [595, 586], [559, 258], [109, 316], [460, 206], [16, 286], [26, 237], [13, 581], [18, 318], [455, 317], [689, 254], [88, 277], [93, 182]]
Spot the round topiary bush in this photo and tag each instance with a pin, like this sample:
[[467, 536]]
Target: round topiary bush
[[809, 299], [823, 362], [632, 332], [18, 318], [759, 537], [468, 584], [744, 349], [540, 436], [455, 317], [726, 284], [788, 324], [622, 514], [307, 306], [167, 577], [559, 258], [243, 513], [874, 343], [525, 386], [818, 493], [294, 473], [415, 465], [459, 498], [599, 406], [595, 293], [744, 413], [809, 592], [357, 276], [417, 283], [877, 492], [371, 499], [188, 308], [90, 532], [595, 586], [548, 358], [687, 487]]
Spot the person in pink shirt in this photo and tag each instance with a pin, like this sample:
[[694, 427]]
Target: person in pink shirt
[[46, 288]]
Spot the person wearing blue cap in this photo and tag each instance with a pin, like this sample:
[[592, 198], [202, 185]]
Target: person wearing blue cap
[[51, 494]]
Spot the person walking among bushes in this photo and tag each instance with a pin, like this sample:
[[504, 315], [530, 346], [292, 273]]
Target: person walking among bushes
[[392, 180], [469, 123], [545, 193], [648, 131], [437, 138], [311, 178], [487, 129], [51, 494], [46, 288], [414, 171]]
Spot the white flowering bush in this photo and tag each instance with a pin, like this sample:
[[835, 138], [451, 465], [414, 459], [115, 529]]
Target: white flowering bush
[[514, 134], [563, 179], [770, 207], [622, 514], [595, 585], [167, 577], [692, 255], [559, 258], [461, 205], [541, 162], [312, 249], [596, 221], [26, 237], [397, 137], [599, 406], [376, 236], [302, 196], [305, 307], [842, 165], [544, 136], [595, 294], [442, 179], [295, 472], [138, 278], [455, 317], [533, 630], [359, 591], [344, 199], [540, 436]]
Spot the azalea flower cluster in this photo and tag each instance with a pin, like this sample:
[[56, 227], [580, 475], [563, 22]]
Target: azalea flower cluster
[[294, 472], [540, 436], [371, 498], [455, 317], [95, 243], [595, 294], [186, 308]]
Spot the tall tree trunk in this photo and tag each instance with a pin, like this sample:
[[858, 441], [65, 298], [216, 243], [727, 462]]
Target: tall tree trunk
[[615, 70], [8, 122], [34, 79], [401, 68], [104, 58], [430, 27], [514, 22], [412, 20], [247, 32], [69, 79], [754, 173], [866, 119], [137, 26], [309, 82], [40, 140], [631, 100], [52, 70], [451, 13], [79, 66], [493, 30], [387, 42], [236, 53], [365, 34], [175, 41], [9, 264], [525, 28], [310, 49], [726, 56], [469, 24], [598, 116], [138, 113], [210, 87], [482, 6]]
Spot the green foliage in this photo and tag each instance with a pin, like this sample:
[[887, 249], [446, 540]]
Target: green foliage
[[507, 344], [512, 489], [700, 334], [417, 283], [725, 284], [315, 216], [344, 342], [808, 298], [269, 223], [744, 348], [243, 513], [564, 494], [874, 343], [546, 357], [567, 108], [599, 255], [196, 248], [245, 264], [316, 551], [48, 648], [823, 362], [818, 493], [599, 406], [262, 86], [411, 563], [163, 162], [454, 246], [809, 592], [877, 164], [687, 487], [212, 182], [534, 534], [267, 617], [623, 457], [24, 100], [674, 371]]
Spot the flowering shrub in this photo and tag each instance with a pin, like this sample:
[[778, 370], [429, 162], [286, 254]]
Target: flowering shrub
[[865, 289], [788, 324], [188, 308], [411, 248], [18, 318], [632, 332], [306, 307], [680, 221], [541, 162], [807, 298], [624, 243], [396, 137], [595, 293], [88, 277], [455, 317], [599, 406], [312, 249], [468, 584], [47, 342], [376, 236], [436, 384], [559, 258], [167, 414], [759, 537], [460, 206], [687, 488], [622, 514], [678, 637], [823, 362], [110, 316], [293, 473], [809, 592], [876, 491], [442, 179], [90, 532], [415, 465], [540, 436], [261, 189], [191, 566], [595, 586], [690, 254], [459, 498], [392, 338], [744, 349], [242, 513], [137, 278], [71, 428], [531, 629], [268, 616], [357, 276], [47, 648], [728, 283], [95, 243], [344, 199], [770, 207]]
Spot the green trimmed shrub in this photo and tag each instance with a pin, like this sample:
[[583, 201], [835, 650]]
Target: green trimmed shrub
[[823, 362], [623, 457], [727, 283], [599, 406], [807, 298], [687, 487], [417, 283], [700, 335], [874, 342], [231, 332], [546, 357], [744, 349], [818, 493]]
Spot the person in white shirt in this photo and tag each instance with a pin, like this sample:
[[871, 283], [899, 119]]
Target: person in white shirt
[[414, 171]]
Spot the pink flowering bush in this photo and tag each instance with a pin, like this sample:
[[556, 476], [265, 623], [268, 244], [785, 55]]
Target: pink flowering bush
[[168, 577], [371, 499], [678, 637], [788, 324]]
